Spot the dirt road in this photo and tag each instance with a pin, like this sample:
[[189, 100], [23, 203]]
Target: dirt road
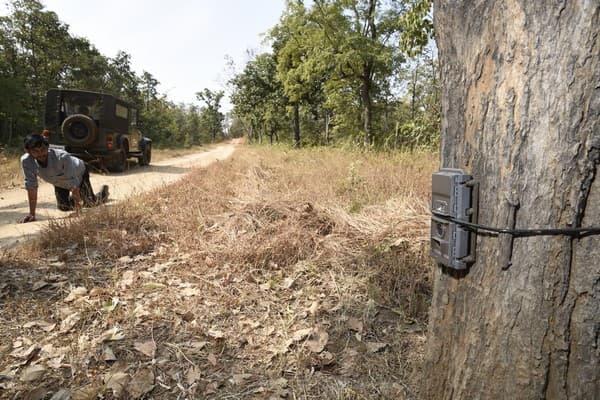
[[14, 206]]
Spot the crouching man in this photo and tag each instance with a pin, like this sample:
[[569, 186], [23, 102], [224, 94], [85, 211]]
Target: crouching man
[[67, 173]]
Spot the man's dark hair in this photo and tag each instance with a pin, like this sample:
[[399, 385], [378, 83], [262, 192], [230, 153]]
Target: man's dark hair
[[34, 140]]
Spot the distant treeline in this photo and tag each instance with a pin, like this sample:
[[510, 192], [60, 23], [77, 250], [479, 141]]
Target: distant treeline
[[357, 72]]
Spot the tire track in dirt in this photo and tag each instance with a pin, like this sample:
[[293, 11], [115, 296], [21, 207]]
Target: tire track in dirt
[[14, 206]]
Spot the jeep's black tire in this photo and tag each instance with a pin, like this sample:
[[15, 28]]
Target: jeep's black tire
[[146, 157], [79, 130], [119, 161]]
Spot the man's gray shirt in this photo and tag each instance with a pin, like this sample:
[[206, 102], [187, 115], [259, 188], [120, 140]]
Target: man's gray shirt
[[62, 170]]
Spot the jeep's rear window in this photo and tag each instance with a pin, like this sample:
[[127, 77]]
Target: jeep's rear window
[[91, 107], [121, 111]]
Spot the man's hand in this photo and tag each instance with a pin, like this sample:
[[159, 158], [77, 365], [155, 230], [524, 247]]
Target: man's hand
[[32, 199], [29, 218]]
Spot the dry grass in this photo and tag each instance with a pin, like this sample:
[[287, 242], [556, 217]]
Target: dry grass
[[10, 169], [275, 274]]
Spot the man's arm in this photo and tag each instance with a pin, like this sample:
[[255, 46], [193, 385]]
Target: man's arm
[[76, 198], [32, 198]]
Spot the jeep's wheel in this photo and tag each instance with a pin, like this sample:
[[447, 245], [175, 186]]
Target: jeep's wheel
[[119, 163], [146, 155], [79, 130]]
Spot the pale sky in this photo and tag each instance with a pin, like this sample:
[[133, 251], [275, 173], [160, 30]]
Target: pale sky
[[182, 43]]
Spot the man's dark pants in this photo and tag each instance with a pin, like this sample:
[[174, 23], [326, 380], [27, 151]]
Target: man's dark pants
[[64, 201]]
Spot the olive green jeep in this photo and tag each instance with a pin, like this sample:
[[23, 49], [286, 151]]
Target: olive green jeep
[[96, 127]]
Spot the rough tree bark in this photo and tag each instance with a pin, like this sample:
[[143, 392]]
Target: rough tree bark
[[521, 112], [297, 124]]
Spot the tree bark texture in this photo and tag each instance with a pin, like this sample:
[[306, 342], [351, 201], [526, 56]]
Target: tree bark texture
[[521, 113], [296, 124], [366, 94]]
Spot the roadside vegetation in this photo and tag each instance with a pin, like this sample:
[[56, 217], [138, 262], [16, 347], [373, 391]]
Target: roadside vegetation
[[10, 169], [277, 273]]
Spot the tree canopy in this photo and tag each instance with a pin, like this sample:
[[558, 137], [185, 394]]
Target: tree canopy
[[341, 64]]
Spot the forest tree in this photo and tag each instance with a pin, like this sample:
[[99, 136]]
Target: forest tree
[[521, 113]]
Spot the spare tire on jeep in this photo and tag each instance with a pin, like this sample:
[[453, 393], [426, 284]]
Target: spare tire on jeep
[[79, 129]]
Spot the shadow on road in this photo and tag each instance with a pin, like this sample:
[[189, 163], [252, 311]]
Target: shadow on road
[[51, 205], [136, 170]]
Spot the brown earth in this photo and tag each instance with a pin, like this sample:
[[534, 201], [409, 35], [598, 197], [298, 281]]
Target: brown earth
[[14, 205]]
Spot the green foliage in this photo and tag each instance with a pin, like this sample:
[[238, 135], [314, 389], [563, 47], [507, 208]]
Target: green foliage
[[192, 128], [148, 88], [258, 99], [237, 128], [417, 25], [122, 81], [87, 68], [159, 121], [38, 37], [211, 117], [340, 71]]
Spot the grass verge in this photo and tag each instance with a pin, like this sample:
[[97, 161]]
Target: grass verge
[[274, 274]]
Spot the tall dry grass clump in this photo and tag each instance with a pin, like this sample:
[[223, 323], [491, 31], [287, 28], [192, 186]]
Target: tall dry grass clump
[[274, 274], [10, 169], [114, 231], [275, 208]]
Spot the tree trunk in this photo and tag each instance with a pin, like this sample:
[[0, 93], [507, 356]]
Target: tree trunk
[[367, 75], [413, 101], [10, 130], [296, 124], [327, 122], [367, 106], [521, 113]]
